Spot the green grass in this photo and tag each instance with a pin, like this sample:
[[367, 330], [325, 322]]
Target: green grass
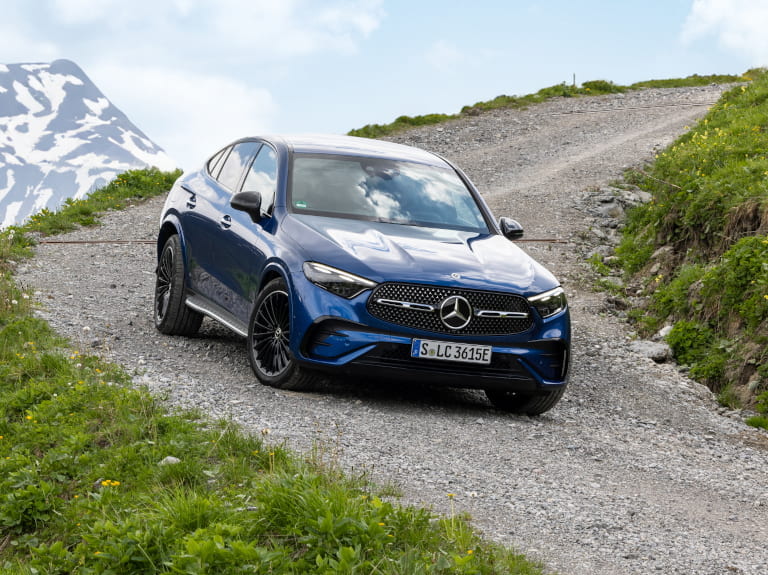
[[129, 187], [688, 81], [83, 489], [710, 205], [591, 88], [760, 420]]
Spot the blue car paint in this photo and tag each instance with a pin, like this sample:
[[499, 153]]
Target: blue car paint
[[317, 304], [230, 265], [384, 251]]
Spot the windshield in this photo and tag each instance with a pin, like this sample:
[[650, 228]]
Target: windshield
[[383, 191]]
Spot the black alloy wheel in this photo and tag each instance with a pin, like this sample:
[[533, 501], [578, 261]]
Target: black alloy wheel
[[269, 340], [172, 316]]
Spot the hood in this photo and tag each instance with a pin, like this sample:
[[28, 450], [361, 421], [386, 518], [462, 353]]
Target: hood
[[393, 252]]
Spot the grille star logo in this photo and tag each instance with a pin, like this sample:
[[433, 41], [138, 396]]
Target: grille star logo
[[455, 312]]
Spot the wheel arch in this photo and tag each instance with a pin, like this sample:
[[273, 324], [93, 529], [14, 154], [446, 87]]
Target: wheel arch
[[169, 228], [271, 273], [277, 269]]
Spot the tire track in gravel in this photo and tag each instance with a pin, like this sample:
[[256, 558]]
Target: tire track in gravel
[[633, 472]]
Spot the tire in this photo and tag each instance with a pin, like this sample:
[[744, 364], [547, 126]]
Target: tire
[[172, 316], [269, 331], [524, 403]]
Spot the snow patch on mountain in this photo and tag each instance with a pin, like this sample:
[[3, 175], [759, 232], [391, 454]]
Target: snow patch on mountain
[[60, 138]]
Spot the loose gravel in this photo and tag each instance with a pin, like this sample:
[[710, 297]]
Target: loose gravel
[[635, 471]]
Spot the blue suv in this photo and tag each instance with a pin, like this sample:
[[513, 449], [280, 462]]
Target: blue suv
[[348, 256]]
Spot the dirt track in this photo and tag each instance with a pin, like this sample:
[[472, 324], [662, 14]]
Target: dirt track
[[633, 472]]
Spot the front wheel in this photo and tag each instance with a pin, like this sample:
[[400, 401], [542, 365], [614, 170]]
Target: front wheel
[[524, 403], [269, 334], [172, 316]]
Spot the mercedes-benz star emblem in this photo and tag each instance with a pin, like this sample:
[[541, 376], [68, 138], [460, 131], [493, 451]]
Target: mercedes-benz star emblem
[[455, 312]]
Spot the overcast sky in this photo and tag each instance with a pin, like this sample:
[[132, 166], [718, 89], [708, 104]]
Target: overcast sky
[[196, 74]]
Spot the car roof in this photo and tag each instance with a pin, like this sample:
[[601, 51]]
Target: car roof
[[354, 146]]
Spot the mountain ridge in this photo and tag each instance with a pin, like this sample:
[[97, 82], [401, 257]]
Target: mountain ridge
[[60, 138]]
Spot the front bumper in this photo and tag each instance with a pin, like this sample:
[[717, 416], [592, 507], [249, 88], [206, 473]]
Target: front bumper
[[341, 337], [350, 349]]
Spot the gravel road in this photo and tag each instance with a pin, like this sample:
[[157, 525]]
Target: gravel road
[[636, 470]]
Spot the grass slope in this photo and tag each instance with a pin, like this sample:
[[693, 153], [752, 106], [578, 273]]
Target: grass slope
[[700, 248], [592, 88]]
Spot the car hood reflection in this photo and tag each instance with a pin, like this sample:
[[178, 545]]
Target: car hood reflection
[[413, 254]]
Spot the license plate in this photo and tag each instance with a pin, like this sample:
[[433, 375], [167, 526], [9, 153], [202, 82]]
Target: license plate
[[448, 351]]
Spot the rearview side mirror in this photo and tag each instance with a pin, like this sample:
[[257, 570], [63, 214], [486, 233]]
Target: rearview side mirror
[[248, 202], [511, 229]]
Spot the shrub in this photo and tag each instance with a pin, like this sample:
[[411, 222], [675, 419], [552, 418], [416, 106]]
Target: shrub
[[690, 341], [710, 206]]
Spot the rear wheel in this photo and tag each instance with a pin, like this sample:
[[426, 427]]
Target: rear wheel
[[526, 403], [269, 334], [172, 316]]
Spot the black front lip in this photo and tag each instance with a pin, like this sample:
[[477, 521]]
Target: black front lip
[[393, 361], [545, 369]]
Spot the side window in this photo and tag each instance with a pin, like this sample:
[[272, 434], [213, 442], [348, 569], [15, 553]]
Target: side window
[[262, 178], [215, 162], [235, 164]]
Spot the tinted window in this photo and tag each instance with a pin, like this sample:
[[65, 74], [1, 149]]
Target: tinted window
[[215, 162], [262, 178], [385, 191], [235, 164]]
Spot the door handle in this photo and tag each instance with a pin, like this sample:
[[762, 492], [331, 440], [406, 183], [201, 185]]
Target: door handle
[[225, 222]]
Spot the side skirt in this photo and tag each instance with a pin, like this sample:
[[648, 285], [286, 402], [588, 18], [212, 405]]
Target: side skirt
[[218, 314]]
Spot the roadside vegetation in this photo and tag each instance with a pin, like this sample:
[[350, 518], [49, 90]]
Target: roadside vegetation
[[99, 477], [699, 249], [591, 88]]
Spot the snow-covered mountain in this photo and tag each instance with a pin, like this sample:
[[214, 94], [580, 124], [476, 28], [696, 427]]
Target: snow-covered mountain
[[60, 138]]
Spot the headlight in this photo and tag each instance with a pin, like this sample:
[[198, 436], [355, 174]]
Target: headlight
[[341, 283], [550, 302]]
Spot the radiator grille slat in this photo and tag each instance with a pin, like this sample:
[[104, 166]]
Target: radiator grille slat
[[425, 296]]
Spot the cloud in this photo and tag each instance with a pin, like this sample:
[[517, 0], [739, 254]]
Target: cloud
[[292, 27], [83, 11], [189, 115], [259, 28], [444, 57], [17, 44], [739, 25]]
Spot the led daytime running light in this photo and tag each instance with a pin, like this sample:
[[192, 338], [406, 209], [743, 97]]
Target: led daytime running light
[[550, 302], [336, 281]]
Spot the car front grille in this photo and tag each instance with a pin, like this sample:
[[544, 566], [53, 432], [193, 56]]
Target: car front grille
[[418, 306]]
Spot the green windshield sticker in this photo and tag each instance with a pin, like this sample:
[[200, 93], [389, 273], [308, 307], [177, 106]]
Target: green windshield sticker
[[300, 204]]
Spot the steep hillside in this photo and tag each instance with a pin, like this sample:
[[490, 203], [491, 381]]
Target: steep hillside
[[699, 248], [60, 138]]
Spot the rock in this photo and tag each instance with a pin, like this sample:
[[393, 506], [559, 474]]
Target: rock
[[658, 352], [170, 460], [617, 303], [614, 282], [662, 333], [602, 251], [754, 382], [662, 252], [611, 209]]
